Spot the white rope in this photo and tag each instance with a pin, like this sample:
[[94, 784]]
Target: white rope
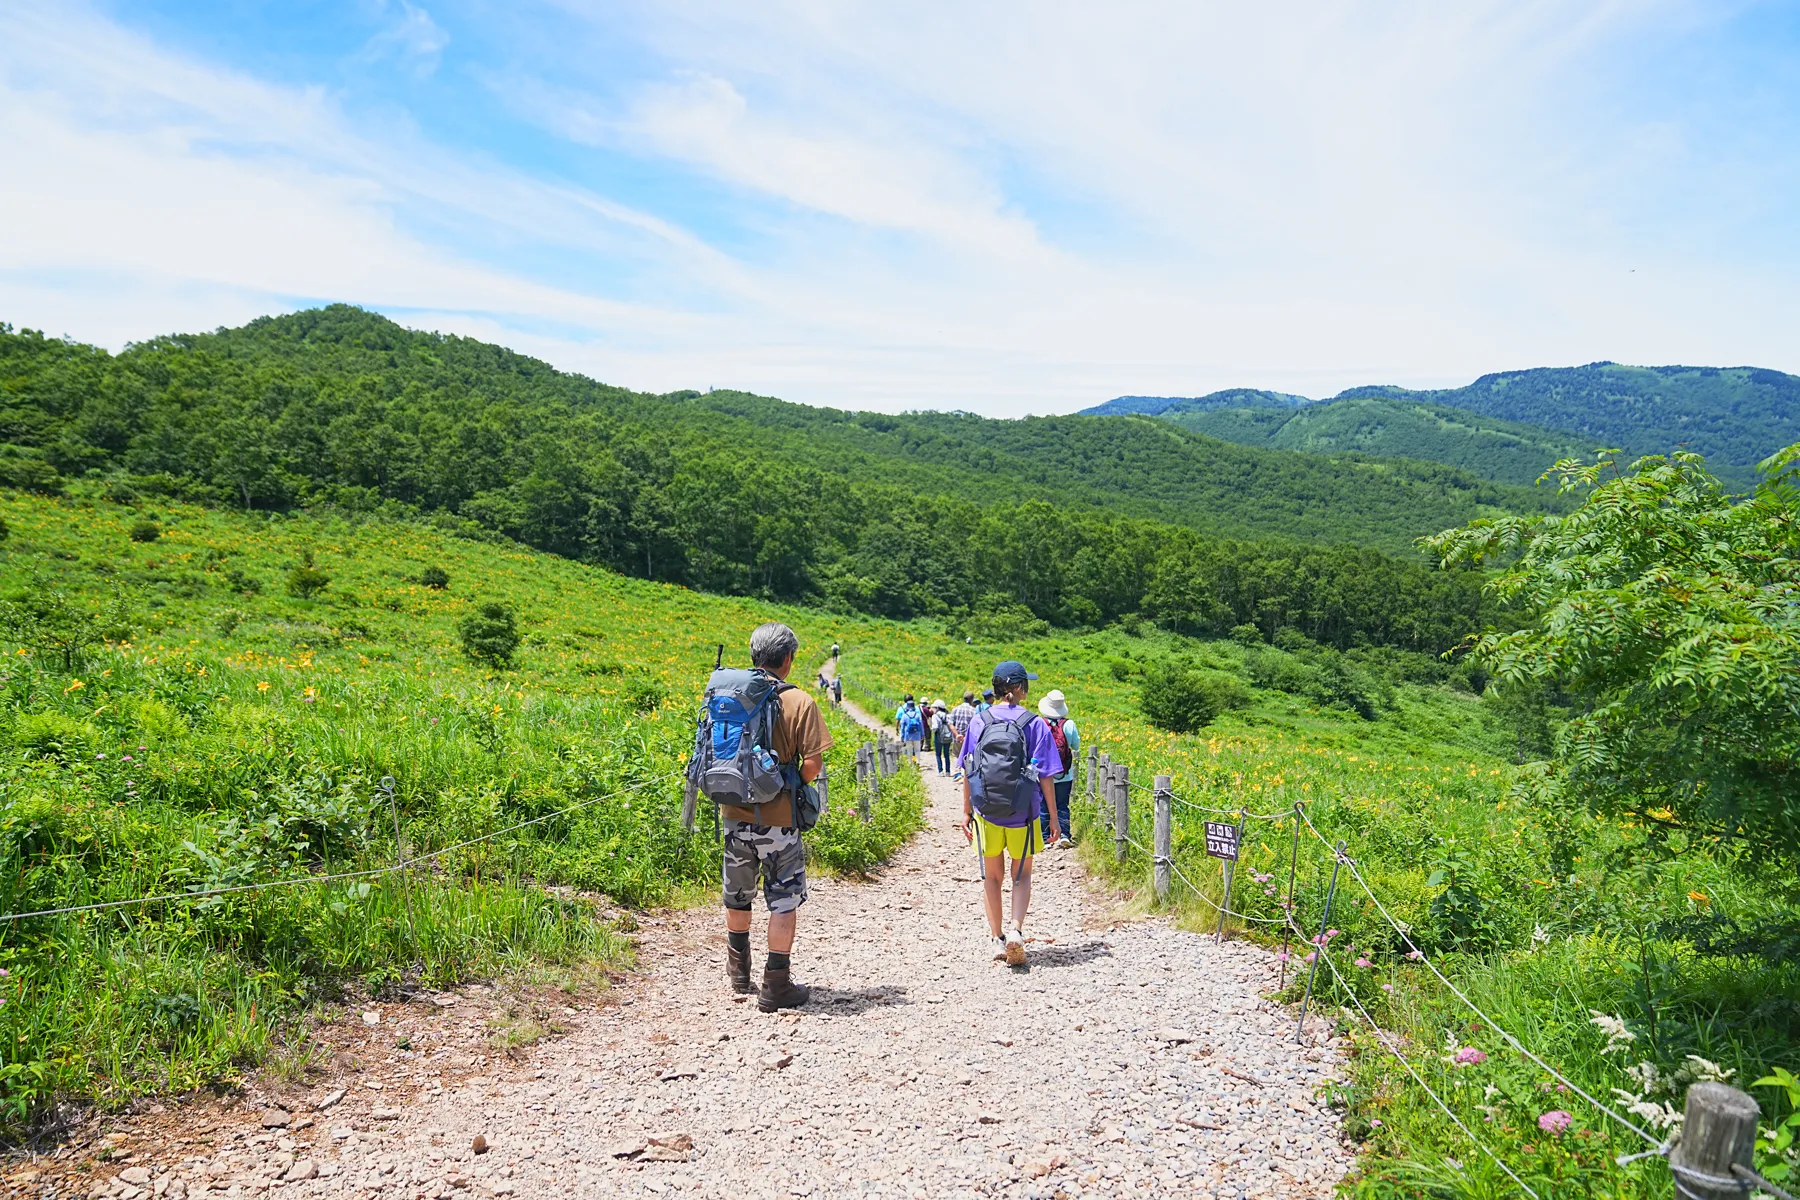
[[1419, 1079], [1491, 1023], [387, 870]]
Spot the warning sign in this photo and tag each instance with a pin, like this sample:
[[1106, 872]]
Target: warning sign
[[1222, 840]]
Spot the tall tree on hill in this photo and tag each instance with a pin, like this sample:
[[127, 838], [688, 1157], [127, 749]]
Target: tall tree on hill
[[1670, 610]]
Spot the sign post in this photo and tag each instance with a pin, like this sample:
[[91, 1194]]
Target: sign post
[[1222, 843]]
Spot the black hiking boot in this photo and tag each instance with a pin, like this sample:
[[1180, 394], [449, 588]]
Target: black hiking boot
[[779, 991], [737, 969]]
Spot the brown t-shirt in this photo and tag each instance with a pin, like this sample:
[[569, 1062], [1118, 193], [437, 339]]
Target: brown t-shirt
[[800, 733]]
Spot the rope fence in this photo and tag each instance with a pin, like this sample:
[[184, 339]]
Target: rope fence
[[1106, 800]]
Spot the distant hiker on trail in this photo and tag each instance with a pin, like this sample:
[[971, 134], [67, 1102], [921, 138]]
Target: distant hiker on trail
[[941, 737], [760, 745], [1008, 761], [837, 691], [835, 651], [911, 723], [1054, 708], [960, 716]]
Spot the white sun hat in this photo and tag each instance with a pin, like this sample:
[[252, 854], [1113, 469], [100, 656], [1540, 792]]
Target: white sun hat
[[1053, 704]]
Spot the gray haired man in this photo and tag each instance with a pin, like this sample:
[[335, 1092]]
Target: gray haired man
[[772, 850]]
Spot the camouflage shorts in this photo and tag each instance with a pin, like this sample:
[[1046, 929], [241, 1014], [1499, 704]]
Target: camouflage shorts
[[773, 852]]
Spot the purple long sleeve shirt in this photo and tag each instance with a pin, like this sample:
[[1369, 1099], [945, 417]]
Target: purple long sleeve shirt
[[1038, 743]]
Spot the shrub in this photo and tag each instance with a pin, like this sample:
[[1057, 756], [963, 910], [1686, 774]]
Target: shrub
[[490, 635], [646, 695], [243, 582], [5, 531], [1246, 635], [435, 578], [145, 531], [306, 580], [1180, 699]]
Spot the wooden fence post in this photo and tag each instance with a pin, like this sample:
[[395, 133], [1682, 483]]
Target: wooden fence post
[[873, 792], [1718, 1133], [1122, 811], [1165, 837], [1093, 765]]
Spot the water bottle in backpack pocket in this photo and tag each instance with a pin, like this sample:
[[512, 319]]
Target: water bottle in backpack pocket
[[733, 761]]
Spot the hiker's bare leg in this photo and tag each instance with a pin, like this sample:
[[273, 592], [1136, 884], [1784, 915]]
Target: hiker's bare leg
[[737, 920], [781, 932], [1021, 892], [993, 870]]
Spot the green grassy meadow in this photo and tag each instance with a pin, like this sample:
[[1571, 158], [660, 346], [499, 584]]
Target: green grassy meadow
[[1544, 919], [239, 734]]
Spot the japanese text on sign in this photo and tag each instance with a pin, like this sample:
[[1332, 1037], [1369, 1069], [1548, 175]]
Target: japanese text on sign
[[1221, 840]]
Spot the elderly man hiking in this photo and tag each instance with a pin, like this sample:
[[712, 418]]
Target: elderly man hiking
[[760, 745], [1009, 760]]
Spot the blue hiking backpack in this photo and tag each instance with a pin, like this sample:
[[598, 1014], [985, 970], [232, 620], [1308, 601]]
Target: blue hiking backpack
[[912, 724], [1003, 782], [734, 758]]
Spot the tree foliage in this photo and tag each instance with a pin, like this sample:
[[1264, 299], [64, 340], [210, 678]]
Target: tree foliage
[[490, 635], [1669, 611]]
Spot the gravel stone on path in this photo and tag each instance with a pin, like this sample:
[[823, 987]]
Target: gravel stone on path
[[1118, 1062]]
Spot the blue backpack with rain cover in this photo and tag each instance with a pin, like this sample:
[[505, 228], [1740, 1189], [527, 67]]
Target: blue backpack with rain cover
[[734, 759], [912, 724]]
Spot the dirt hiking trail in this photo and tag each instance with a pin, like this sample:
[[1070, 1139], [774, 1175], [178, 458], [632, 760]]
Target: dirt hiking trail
[[1123, 1060]]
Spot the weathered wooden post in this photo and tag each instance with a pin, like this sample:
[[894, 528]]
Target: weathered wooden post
[[1165, 837], [872, 793], [1122, 811], [1093, 766], [1718, 1136], [1104, 813]]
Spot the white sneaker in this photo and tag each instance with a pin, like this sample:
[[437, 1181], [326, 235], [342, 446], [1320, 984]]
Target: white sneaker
[[999, 947], [1015, 948]]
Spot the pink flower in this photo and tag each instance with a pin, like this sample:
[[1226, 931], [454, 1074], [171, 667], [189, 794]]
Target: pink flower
[[1376, 1124], [1387, 987], [1469, 1056], [1555, 1121], [1363, 962], [1310, 956], [1282, 957], [1331, 933], [1415, 955]]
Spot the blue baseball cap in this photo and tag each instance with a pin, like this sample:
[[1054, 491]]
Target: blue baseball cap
[[1010, 674]]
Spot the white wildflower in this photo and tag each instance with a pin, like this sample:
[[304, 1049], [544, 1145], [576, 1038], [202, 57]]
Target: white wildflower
[[1702, 1069], [1539, 936], [1659, 1117], [1618, 1037], [1649, 1079]]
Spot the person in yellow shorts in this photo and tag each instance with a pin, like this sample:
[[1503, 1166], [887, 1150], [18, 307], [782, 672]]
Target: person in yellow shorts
[[1009, 761]]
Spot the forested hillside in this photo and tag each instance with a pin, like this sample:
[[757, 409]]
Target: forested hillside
[[1735, 416], [1064, 520], [1504, 451]]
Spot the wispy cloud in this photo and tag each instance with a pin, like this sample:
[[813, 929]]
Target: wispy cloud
[[1005, 207], [411, 38]]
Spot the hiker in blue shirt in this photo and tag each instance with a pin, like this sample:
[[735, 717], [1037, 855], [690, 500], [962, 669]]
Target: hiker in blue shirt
[[911, 723]]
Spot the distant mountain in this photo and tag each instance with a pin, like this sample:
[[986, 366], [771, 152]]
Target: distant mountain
[[1503, 451], [1510, 425]]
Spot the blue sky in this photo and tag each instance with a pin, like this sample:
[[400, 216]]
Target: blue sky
[[1004, 207]]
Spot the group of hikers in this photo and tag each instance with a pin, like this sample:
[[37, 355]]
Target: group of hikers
[[760, 748]]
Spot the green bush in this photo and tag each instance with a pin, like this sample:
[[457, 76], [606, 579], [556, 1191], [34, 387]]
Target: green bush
[[145, 531], [1180, 699], [490, 635], [435, 578], [1246, 635]]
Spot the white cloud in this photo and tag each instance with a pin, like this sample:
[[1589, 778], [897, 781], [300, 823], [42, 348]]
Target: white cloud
[[413, 39], [1001, 207]]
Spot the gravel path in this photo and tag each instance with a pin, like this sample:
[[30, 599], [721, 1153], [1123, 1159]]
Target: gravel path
[[1121, 1061]]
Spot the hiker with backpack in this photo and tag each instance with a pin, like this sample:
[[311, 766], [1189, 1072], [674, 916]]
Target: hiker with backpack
[[1054, 708], [760, 744], [941, 731], [960, 716], [911, 723], [1008, 761]]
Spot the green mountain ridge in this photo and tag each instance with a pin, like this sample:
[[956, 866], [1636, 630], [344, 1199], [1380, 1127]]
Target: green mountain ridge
[[1061, 519], [1510, 425]]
